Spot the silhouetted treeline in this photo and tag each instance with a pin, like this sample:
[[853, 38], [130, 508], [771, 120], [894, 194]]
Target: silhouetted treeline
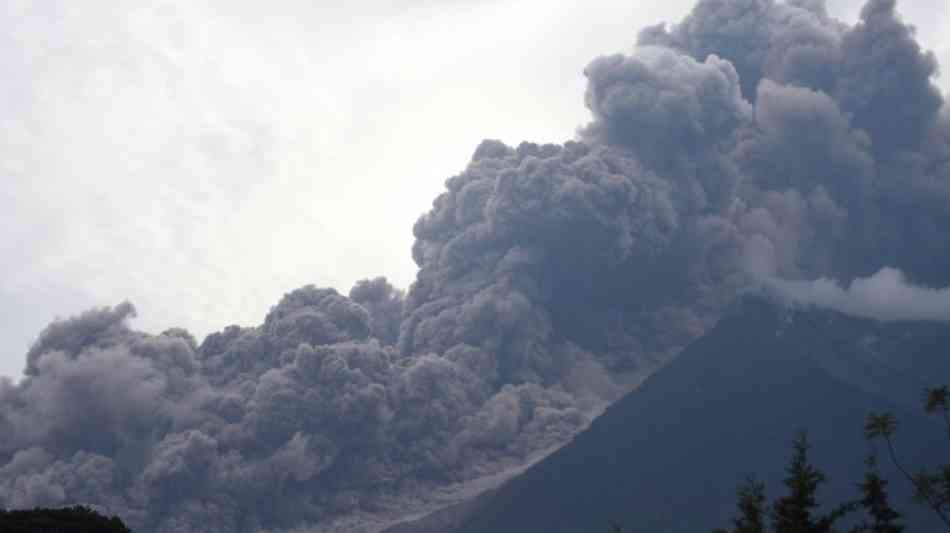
[[796, 512], [76, 519], [801, 510]]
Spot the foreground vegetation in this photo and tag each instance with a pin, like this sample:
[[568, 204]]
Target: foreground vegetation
[[76, 519], [798, 510]]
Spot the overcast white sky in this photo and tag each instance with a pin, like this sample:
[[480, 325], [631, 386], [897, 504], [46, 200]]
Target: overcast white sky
[[200, 158]]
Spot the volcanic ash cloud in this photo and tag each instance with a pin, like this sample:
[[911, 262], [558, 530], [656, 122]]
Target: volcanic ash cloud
[[752, 140]]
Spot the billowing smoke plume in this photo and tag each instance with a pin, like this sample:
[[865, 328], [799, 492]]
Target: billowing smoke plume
[[885, 296], [754, 139]]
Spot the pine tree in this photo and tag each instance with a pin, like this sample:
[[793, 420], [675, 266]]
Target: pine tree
[[751, 508], [884, 519], [794, 513]]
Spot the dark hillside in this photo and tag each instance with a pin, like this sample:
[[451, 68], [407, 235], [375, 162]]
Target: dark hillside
[[667, 457], [68, 520]]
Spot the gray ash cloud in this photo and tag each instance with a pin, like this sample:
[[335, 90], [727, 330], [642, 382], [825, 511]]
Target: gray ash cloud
[[753, 139]]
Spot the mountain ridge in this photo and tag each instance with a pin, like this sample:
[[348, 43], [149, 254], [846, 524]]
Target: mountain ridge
[[674, 466]]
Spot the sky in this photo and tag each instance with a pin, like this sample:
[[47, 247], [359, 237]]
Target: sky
[[201, 158]]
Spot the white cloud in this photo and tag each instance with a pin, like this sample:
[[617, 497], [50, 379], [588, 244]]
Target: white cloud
[[885, 296]]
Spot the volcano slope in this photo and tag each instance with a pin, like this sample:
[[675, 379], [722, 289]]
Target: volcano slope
[[668, 456]]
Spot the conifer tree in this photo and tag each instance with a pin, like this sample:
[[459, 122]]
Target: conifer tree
[[883, 518], [795, 512], [751, 508]]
